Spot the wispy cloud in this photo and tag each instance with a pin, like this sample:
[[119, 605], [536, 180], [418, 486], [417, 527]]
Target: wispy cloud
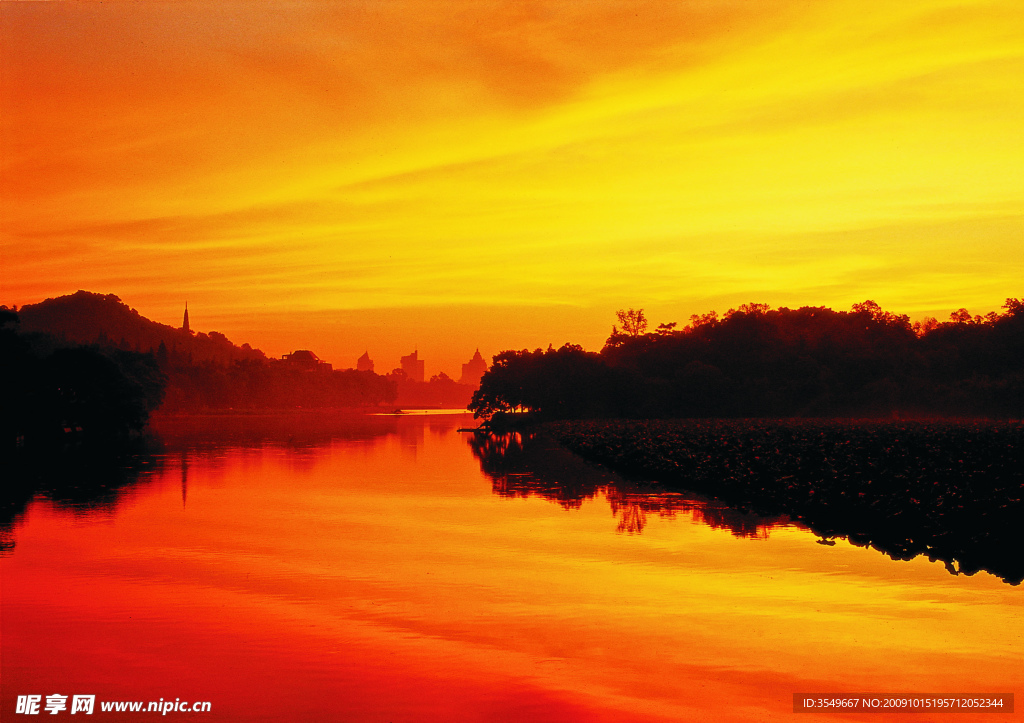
[[336, 156]]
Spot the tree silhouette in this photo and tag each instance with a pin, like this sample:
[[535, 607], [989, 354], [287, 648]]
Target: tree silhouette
[[633, 322], [756, 361]]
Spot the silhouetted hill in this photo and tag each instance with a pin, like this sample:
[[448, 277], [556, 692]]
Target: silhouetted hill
[[204, 371], [88, 318]]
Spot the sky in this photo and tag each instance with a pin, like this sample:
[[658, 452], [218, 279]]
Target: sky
[[441, 176]]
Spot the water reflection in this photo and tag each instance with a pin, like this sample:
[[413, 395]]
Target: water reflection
[[632, 506], [521, 465], [295, 430], [524, 464], [377, 577], [91, 482], [83, 484]]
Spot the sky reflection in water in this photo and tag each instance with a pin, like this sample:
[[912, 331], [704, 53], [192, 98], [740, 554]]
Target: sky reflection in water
[[381, 569]]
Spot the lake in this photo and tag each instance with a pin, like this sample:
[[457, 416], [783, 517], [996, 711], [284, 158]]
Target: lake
[[391, 568]]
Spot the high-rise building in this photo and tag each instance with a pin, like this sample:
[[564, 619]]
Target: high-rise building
[[473, 370], [365, 363], [414, 367]]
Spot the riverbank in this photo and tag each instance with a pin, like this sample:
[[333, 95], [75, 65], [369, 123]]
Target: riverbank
[[951, 489]]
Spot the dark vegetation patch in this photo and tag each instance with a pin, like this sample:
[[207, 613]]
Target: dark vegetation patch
[[61, 398], [770, 363], [951, 490]]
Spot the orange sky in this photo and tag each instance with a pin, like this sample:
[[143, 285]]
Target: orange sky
[[447, 175]]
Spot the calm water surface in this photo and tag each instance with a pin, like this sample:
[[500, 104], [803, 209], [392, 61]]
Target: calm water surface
[[393, 569]]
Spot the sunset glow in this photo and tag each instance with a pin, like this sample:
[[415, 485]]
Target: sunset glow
[[384, 176]]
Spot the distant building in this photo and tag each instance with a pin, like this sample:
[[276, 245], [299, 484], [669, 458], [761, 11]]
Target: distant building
[[473, 370], [306, 360], [184, 324], [365, 363], [414, 367]]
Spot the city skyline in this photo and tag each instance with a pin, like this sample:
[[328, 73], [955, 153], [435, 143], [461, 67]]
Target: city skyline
[[470, 372]]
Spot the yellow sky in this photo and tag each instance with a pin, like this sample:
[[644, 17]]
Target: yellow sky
[[447, 175]]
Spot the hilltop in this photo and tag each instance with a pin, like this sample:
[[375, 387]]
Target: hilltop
[[198, 371], [103, 319]]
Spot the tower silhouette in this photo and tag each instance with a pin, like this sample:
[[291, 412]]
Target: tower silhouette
[[473, 370], [413, 366], [364, 363], [184, 323]]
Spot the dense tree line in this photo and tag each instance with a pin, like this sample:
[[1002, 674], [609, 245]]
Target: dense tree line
[[756, 361], [440, 391]]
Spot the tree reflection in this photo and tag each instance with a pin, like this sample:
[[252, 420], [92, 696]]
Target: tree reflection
[[86, 483], [95, 478], [522, 465], [631, 509], [525, 464]]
